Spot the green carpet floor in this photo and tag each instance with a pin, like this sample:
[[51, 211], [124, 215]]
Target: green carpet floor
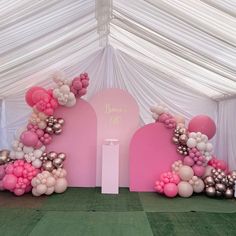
[[85, 211]]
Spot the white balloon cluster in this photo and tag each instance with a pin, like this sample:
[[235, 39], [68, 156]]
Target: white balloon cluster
[[176, 166], [200, 141], [47, 182], [197, 184], [158, 110], [59, 78], [17, 152], [33, 155], [30, 154], [62, 92]]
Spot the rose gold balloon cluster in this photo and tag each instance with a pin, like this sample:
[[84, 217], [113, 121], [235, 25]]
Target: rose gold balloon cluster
[[220, 184], [54, 125], [52, 160], [180, 138]]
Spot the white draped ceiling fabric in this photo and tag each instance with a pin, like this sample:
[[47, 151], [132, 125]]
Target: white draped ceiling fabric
[[178, 52]]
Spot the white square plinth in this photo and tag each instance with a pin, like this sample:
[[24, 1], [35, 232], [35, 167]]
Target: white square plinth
[[110, 168]]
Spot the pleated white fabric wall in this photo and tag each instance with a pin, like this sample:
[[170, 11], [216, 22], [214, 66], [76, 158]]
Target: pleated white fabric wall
[[178, 52]]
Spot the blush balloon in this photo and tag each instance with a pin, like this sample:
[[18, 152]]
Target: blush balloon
[[203, 124]]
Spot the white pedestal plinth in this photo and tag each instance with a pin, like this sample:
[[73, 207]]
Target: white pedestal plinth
[[110, 168]]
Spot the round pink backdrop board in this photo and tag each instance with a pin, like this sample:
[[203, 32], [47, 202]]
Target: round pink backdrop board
[[151, 153], [117, 117], [79, 141]]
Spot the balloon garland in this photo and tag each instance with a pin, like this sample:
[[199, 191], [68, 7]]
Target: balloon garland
[[198, 170], [28, 167]]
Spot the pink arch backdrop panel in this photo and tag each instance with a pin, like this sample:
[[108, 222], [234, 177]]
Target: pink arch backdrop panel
[[151, 153], [117, 117], [79, 141]]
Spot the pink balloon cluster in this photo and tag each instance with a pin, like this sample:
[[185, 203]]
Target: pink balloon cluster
[[167, 184], [195, 157], [218, 164], [79, 85], [43, 137], [42, 100], [168, 120], [47, 182], [18, 177]]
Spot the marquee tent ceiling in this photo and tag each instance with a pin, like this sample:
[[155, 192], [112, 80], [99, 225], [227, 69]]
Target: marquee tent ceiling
[[191, 42]]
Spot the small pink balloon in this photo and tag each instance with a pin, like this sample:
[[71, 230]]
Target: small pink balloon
[[170, 190], [203, 124], [9, 181], [29, 138], [188, 161], [198, 170], [19, 191], [48, 111], [77, 84], [18, 171]]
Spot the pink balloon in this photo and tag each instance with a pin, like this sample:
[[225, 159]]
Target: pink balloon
[[198, 170], [9, 181], [40, 95], [18, 171], [203, 124], [188, 161], [77, 84], [29, 138], [170, 190], [19, 191], [29, 93]]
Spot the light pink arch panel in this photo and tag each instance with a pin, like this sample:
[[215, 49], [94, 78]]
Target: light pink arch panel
[[78, 141], [151, 153], [117, 117]]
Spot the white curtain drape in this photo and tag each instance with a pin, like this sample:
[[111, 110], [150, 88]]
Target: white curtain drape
[[178, 52], [226, 138]]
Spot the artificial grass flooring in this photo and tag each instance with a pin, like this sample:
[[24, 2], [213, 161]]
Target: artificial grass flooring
[[85, 211]]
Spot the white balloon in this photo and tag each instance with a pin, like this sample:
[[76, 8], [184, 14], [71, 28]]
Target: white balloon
[[19, 155], [155, 116], [153, 109], [12, 155], [159, 110], [38, 153], [204, 138], [71, 103], [37, 163], [65, 89], [209, 147], [191, 143], [192, 135], [27, 149], [35, 193], [201, 146], [199, 134]]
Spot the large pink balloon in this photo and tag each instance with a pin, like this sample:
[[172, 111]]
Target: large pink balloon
[[29, 138], [170, 190], [199, 170], [29, 93], [9, 181], [203, 124]]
